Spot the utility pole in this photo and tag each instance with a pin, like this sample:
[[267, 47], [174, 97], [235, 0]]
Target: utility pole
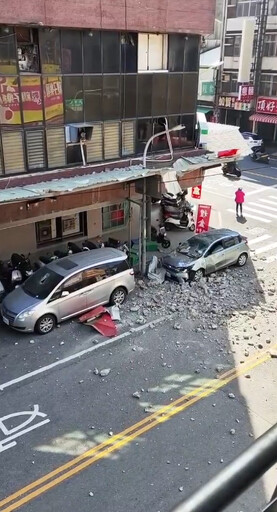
[[218, 77], [259, 53]]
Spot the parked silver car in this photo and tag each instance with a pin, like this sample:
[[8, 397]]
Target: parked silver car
[[68, 287], [206, 253]]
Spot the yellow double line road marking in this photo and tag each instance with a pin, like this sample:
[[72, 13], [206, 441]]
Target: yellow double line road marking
[[116, 442]]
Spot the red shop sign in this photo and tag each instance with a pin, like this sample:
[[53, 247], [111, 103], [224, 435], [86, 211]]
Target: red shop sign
[[196, 192], [246, 92], [266, 105], [203, 218]]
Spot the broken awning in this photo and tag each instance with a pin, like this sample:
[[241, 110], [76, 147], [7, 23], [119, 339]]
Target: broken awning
[[170, 182], [263, 118]]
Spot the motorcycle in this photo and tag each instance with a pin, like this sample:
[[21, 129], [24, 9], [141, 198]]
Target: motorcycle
[[259, 156], [185, 222], [232, 169], [22, 264], [9, 278], [160, 237], [88, 246], [73, 248]]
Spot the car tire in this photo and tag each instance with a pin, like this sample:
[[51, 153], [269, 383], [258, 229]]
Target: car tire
[[45, 324], [192, 227], [242, 259], [166, 244], [196, 275], [118, 296]]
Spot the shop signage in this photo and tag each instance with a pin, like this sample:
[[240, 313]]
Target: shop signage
[[208, 89], [246, 93], [233, 103], [266, 105], [75, 104], [196, 192], [203, 218]]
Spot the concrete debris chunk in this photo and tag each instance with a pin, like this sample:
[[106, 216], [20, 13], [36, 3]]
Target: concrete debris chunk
[[104, 372], [136, 394], [231, 395]]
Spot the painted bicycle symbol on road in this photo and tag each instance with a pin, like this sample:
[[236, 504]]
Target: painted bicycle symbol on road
[[23, 428]]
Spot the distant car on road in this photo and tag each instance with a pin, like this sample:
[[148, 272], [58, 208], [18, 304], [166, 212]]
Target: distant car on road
[[205, 253], [254, 141]]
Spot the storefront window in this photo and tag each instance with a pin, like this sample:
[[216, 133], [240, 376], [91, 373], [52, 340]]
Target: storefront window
[[27, 49], [189, 97], [71, 51], [159, 95], [110, 41], [144, 132], [74, 102], [50, 50], [144, 95], [92, 51], [53, 99], [93, 98], [31, 98], [174, 94], [191, 53], [128, 96], [111, 107], [176, 52], [9, 101], [8, 64], [129, 50]]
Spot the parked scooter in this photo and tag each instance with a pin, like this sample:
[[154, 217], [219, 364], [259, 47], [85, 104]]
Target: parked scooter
[[185, 222], [259, 156], [73, 248], [88, 245], [160, 236], [22, 264], [9, 278], [231, 168]]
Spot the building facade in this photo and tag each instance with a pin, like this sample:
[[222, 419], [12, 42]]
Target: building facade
[[82, 88], [237, 105]]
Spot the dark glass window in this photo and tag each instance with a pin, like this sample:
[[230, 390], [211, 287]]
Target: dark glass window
[[144, 132], [50, 50], [189, 97], [128, 96], [160, 142], [110, 41], [159, 94], [191, 53], [9, 100], [187, 134], [111, 100], [144, 95], [53, 99], [129, 50], [31, 99], [7, 51], [71, 51], [73, 96], [92, 51], [174, 94], [93, 98], [176, 52]]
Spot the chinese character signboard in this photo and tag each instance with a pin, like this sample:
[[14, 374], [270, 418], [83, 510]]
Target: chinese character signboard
[[203, 218], [196, 192], [208, 89], [266, 105], [246, 93], [233, 102]]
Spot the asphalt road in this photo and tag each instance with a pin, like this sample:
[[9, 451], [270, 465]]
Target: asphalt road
[[96, 447]]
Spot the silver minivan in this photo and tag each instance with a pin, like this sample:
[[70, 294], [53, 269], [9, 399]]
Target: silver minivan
[[68, 287]]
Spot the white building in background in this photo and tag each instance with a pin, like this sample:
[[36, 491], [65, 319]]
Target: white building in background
[[236, 109]]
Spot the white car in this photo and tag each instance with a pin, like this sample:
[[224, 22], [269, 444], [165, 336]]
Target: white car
[[253, 140]]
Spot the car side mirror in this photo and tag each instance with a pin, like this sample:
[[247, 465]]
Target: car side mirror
[[65, 293]]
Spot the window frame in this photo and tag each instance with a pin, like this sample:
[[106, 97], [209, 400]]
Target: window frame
[[122, 206]]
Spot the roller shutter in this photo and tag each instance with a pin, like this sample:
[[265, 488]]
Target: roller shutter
[[95, 145], [111, 140], [13, 152], [55, 147], [128, 129], [35, 149]]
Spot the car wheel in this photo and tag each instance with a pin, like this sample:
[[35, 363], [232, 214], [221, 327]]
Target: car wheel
[[242, 259], [166, 244], [118, 296], [192, 227], [45, 324], [196, 275]]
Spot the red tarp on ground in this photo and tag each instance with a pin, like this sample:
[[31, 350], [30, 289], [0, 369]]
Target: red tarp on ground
[[101, 320]]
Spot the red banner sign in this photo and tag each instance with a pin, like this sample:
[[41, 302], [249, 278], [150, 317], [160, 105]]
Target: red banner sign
[[203, 218], [266, 105], [246, 92], [196, 192]]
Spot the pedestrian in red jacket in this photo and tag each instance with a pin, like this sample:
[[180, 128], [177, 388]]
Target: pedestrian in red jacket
[[239, 198]]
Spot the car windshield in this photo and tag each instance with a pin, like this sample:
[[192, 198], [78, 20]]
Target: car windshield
[[41, 283], [195, 247]]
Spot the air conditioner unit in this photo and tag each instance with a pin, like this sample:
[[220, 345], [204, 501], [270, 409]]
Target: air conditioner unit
[[225, 78]]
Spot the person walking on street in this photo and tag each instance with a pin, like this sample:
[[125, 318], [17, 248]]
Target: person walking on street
[[239, 198]]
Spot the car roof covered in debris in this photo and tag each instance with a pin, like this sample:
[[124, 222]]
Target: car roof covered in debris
[[216, 234]]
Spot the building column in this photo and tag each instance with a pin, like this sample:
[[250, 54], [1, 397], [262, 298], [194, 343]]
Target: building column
[[148, 217]]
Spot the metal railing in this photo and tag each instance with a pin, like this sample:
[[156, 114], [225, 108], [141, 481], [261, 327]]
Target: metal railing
[[233, 480]]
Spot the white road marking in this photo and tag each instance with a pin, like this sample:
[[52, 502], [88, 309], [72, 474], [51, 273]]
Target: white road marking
[[258, 239], [264, 206], [77, 355], [18, 431], [254, 210], [261, 189], [270, 259], [274, 197], [267, 221], [266, 248], [267, 201]]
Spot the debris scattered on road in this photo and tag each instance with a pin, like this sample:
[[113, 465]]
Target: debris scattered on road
[[96, 371], [232, 431], [231, 395], [181, 488], [91, 494], [136, 394], [104, 372], [111, 433], [32, 342]]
